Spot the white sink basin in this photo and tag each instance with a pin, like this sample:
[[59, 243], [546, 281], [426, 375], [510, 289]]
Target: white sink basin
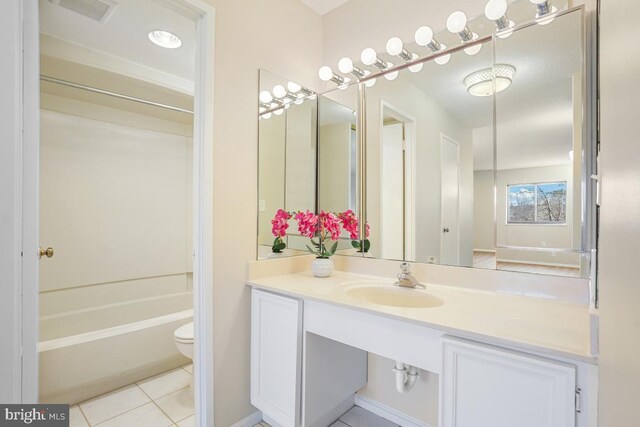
[[394, 296]]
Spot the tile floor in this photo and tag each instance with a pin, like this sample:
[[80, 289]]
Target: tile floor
[[165, 401], [355, 417], [160, 401]]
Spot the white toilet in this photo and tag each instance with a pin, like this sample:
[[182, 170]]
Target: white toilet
[[184, 341]]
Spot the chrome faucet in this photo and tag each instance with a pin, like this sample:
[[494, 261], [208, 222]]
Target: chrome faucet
[[406, 279]]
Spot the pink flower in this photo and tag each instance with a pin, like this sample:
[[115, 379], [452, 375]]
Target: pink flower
[[351, 224], [279, 223], [307, 223], [330, 223]]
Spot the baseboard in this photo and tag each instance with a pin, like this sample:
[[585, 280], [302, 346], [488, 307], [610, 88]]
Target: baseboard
[[544, 264], [250, 421], [388, 413]]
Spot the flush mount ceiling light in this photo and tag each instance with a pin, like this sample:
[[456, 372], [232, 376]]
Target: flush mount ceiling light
[[481, 83], [165, 39]]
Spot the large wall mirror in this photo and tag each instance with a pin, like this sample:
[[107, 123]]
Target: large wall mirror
[[307, 160], [475, 158], [287, 164]]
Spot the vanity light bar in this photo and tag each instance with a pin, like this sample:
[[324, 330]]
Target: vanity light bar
[[282, 98], [495, 10]]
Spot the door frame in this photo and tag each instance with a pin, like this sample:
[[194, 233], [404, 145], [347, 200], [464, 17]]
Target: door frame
[[19, 75], [410, 216], [443, 138]]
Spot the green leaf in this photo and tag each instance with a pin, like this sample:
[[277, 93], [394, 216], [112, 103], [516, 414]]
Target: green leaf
[[311, 250], [367, 245], [355, 244], [280, 246], [333, 249]]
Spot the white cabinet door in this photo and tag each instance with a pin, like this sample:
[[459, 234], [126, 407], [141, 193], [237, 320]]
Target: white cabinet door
[[484, 386], [276, 343]]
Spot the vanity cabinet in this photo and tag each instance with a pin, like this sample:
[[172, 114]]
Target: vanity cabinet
[[276, 355], [483, 385], [309, 360]]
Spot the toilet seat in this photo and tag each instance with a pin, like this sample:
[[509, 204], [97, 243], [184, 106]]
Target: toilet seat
[[184, 334]]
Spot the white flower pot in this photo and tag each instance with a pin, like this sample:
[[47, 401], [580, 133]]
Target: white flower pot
[[322, 267]]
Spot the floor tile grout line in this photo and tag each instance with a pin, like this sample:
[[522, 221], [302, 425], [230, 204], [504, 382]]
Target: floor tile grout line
[[86, 420], [158, 406], [164, 395], [172, 420], [128, 410]]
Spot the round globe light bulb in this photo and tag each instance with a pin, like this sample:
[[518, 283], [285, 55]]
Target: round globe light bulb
[[538, 1], [294, 87], [265, 96], [279, 112], [345, 65], [394, 46], [442, 60], [417, 67], [457, 22], [279, 91], [473, 50], [368, 56], [495, 9], [325, 73], [391, 76], [424, 36], [370, 83], [266, 116]]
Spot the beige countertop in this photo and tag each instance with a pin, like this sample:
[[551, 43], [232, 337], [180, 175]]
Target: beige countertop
[[533, 324]]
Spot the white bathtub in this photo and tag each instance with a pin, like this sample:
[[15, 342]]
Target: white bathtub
[[90, 351]]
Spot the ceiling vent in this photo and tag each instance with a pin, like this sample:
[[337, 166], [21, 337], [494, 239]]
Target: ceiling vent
[[98, 10]]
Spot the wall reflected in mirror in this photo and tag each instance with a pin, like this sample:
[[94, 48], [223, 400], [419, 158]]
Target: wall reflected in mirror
[[420, 135], [287, 148], [338, 160]]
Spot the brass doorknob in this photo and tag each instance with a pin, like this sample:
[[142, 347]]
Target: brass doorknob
[[45, 252]]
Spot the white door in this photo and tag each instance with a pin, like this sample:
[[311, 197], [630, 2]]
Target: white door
[[392, 197], [450, 202], [485, 386]]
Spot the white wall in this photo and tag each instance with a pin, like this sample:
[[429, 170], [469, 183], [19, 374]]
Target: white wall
[[115, 198], [483, 216], [284, 37], [334, 166], [300, 187], [619, 269], [271, 170]]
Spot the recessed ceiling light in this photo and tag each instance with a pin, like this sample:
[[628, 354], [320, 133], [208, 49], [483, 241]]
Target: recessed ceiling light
[[165, 39]]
